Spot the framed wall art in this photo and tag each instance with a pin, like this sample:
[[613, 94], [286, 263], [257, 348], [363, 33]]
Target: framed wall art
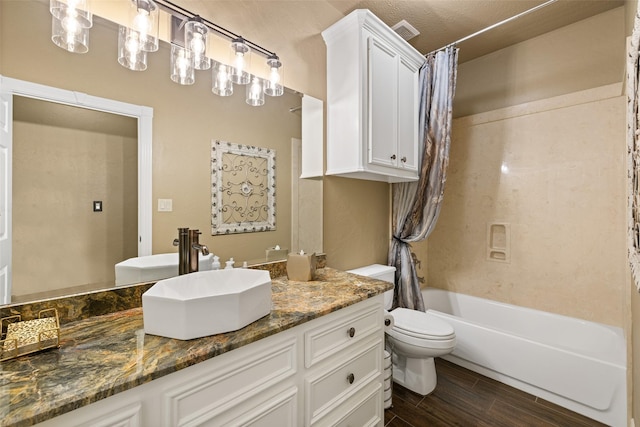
[[243, 188]]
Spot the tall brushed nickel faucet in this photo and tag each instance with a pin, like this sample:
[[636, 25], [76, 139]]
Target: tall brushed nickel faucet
[[189, 248], [194, 250]]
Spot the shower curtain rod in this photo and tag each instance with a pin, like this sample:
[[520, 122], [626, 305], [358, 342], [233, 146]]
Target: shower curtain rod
[[497, 24]]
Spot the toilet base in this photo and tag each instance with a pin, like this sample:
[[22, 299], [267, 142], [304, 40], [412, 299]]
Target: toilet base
[[417, 375]]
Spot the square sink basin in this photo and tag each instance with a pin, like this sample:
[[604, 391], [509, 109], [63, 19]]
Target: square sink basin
[[154, 267], [206, 303]]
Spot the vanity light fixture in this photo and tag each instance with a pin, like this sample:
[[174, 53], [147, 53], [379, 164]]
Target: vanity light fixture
[[221, 83], [130, 52], [195, 38], [255, 92], [144, 18], [70, 24], [71, 20], [182, 70], [241, 60], [273, 85]]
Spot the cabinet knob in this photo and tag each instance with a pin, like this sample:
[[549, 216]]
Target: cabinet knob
[[403, 160], [351, 332], [393, 157], [351, 378]]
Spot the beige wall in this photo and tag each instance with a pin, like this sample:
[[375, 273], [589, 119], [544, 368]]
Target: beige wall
[[576, 57], [554, 170], [356, 222], [58, 241], [185, 121]]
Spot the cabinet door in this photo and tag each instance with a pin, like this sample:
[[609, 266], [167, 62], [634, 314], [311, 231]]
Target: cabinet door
[[408, 98], [383, 104]]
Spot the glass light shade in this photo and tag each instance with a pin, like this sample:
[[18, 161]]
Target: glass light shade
[[195, 36], [221, 80], [144, 17], [130, 53], [241, 61], [62, 9], [255, 92], [182, 70], [67, 34], [273, 84]]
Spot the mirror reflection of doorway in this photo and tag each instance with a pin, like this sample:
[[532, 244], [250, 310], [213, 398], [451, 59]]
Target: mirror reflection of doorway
[[66, 161]]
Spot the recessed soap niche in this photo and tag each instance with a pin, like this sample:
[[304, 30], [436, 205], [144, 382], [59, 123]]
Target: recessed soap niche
[[499, 242]]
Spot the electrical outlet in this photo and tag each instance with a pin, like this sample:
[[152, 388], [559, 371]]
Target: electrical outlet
[[165, 205]]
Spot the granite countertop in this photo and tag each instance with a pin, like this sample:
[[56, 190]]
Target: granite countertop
[[107, 354]]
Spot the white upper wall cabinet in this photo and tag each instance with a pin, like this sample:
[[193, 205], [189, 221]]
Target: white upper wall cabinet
[[372, 100]]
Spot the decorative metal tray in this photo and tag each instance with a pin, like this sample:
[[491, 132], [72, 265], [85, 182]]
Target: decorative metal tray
[[24, 337]]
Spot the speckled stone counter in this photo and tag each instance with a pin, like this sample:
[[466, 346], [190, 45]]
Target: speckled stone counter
[[108, 354]]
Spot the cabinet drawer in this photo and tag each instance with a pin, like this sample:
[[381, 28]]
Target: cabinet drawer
[[280, 410], [249, 374], [362, 409], [329, 388], [337, 335]]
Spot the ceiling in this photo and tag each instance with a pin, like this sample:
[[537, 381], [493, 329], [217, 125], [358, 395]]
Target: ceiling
[[276, 23]]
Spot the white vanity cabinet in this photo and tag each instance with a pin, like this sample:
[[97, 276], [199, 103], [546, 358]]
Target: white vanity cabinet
[[372, 100], [326, 372]]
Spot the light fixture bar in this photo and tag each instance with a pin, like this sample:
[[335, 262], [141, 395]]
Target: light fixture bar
[[175, 9]]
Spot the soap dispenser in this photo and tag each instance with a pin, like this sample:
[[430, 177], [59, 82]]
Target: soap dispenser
[[229, 264], [215, 264]]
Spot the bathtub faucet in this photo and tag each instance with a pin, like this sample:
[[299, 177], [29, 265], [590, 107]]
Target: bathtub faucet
[[189, 249]]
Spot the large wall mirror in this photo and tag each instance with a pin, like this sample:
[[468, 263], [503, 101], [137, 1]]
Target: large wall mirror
[[74, 167], [185, 121]]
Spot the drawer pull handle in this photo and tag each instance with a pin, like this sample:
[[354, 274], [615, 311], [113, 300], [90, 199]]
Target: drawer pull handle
[[387, 322], [403, 160], [351, 332], [393, 157], [351, 378]]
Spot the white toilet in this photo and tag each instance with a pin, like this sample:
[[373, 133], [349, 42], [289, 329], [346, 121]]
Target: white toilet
[[415, 339]]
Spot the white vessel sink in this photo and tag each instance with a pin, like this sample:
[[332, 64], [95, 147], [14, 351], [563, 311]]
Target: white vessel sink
[[206, 303], [153, 267]]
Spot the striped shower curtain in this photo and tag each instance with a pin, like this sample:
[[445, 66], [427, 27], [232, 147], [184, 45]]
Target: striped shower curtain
[[416, 205]]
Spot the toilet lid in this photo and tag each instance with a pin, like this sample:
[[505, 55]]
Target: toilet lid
[[420, 324]]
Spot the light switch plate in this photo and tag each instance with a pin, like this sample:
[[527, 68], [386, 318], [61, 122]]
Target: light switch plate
[[165, 205]]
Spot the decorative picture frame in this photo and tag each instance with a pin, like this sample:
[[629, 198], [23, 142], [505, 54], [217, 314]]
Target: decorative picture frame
[[243, 188], [633, 150]]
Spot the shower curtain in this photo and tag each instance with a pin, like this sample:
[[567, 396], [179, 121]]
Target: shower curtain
[[416, 205], [633, 151]]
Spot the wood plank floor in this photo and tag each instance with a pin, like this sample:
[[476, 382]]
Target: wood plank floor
[[465, 398]]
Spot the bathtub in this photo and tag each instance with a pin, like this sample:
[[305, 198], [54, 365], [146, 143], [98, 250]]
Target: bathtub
[[573, 363]]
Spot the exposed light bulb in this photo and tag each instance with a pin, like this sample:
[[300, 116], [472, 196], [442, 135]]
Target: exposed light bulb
[[141, 22], [241, 55], [183, 64], [239, 62], [195, 35], [222, 84], [273, 86], [255, 95], [182, 70], [131, 55], [223, 75], [197, 44], [144, 18], [274, 76], [133, 43]]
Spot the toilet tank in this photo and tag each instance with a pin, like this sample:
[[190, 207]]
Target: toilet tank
[[380, 272], [376, 271]]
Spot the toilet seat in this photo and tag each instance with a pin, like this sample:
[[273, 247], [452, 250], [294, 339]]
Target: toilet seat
[[421, 329]]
